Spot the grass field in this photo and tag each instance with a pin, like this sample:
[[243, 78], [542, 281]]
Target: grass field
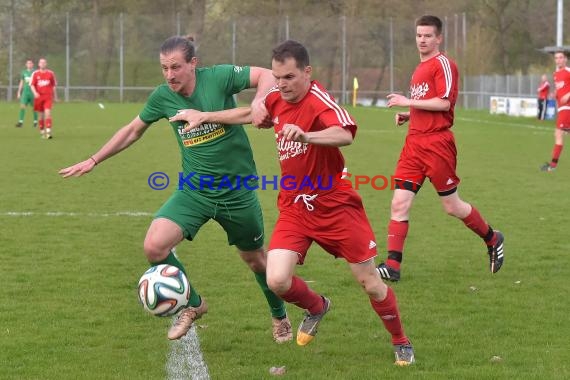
[[71, 256]]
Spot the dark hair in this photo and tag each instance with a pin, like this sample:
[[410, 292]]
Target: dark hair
[[561, 51], [427, 20], [184, 44], [291, 49]]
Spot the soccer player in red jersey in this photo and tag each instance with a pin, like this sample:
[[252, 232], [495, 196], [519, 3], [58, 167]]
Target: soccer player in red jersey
[[542, 92], [43, 85], [562, 87], [429, 150], [314, 207]]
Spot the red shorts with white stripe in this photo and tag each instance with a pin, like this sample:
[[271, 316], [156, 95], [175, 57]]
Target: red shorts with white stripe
[[431, 155], [336, 221]]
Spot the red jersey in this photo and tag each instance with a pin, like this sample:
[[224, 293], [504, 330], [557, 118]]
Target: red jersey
[[43, 82], [562, 85], [307, 168], [436, 77], [543, 90]]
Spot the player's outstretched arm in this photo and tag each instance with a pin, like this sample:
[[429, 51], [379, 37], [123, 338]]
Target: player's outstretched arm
[[433, 104], [120, 141], [332, 136], [194, 118], [263, 80]]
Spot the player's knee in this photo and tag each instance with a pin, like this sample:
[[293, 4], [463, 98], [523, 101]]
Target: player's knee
[[374, 287], [278, 284], [256, 266], [255, 260], [154, 252]]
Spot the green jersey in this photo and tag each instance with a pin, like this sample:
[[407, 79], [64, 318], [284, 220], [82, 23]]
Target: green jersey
[[217, 160], [26, 76]]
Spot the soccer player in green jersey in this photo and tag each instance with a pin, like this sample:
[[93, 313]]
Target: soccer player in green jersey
[[216, 158], [25, 94]]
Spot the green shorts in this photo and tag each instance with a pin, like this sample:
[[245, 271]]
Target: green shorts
[[27, 98], [241, 217]]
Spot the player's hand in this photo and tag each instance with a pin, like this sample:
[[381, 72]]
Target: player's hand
[[78, 169], [193, 118], [397, 100], [18, 96], [260, 118], [402, 117], [292, 132]]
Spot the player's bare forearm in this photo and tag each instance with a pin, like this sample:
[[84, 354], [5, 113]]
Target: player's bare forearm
[[332, 136], [194, 118], [124, 138], [121, 140], [433, 104], [264, 81]]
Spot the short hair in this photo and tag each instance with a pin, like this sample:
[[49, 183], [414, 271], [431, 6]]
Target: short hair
[[428, 20], [562, 52], [291, 49], [183, 43]]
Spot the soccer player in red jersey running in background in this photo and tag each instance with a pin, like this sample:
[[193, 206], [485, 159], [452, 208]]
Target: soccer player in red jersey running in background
[[43, 85], [562, 86], [310, 127], [429, 150]]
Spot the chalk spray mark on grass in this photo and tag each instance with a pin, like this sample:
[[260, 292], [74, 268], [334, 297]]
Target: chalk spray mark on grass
[[185, 359]]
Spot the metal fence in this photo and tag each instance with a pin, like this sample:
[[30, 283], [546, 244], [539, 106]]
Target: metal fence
[[115, 57]]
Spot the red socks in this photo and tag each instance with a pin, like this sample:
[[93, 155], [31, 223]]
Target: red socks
[[387, 310], [397, 232], [556, 151], [300, 295]]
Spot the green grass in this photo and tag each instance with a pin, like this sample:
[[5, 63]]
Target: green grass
[[69, 307]]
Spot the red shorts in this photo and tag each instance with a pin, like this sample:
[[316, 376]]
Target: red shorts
[[563, 120], [432, 155], [42, 103], [338, 223]]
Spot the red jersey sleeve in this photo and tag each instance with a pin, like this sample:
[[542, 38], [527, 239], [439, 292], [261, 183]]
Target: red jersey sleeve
[[270, 99], [331, 114], [445, 79]]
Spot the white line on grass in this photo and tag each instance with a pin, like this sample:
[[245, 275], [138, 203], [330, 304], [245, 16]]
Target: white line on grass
[[135, 214], [185, 359], [518, 125]]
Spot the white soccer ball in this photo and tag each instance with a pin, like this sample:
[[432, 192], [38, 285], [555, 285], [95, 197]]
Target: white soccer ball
[[163, 290]]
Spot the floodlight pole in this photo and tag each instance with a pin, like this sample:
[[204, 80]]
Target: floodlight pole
[[559, 23]]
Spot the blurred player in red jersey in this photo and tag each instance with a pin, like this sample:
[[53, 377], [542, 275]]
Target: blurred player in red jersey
[[542, 92], [309, 128], [429, 150], [562, 87], [43, 85]]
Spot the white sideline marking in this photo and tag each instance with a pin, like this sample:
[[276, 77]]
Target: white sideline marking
[[518, 125], [185, 359], [135, 214]]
